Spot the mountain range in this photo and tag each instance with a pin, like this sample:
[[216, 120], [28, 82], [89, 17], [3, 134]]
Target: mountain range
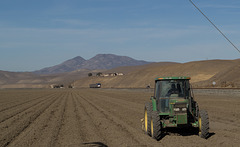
[[100, 61]]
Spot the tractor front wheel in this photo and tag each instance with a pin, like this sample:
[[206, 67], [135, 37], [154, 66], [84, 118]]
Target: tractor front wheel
[[203, 123], [156, 126], [147, 118]]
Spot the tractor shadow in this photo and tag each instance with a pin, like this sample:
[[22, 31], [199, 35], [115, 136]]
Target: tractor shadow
[[210, 134], [95, 144], [183, 132]]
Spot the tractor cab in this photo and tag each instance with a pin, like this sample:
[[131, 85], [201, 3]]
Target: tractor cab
[[169, 90]]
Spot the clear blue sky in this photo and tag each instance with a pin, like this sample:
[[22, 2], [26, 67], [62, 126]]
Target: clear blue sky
[[40, 33]]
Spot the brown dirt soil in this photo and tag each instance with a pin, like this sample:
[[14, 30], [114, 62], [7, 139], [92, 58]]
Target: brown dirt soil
[[103, 117]]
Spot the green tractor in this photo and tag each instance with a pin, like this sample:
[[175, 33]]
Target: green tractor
[[173, 106]]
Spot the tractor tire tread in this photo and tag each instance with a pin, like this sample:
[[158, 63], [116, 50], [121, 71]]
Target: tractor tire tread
[[156, 125], [205, 124]]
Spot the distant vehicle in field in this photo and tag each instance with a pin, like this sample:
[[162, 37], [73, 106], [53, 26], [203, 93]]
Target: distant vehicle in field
[[97, 85], [57, 86]]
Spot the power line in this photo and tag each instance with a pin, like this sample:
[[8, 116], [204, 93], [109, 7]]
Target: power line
[[215, 27]]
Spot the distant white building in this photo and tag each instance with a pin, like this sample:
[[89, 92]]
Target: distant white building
[[119, 74], [112, 74]]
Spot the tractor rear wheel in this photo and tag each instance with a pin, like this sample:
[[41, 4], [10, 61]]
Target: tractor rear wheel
[[156, 126], [203, 122], [147, 118]]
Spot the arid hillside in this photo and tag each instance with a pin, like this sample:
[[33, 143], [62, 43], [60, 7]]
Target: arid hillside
[[224, 72], [20, 80], [31, 80], [229, 77]]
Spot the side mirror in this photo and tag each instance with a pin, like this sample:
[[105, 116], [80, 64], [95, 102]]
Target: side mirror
[[152, 97]]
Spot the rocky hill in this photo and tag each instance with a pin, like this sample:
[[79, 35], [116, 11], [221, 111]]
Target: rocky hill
[[100, 61]]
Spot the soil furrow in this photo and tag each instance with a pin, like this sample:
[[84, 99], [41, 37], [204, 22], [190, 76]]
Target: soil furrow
[[110, 123], [70, 132], [18, 96], [123, 111], [56, 125], [9, 114], [21, 115], [20, 104], [43, 131], [14, 126], [89, 130]]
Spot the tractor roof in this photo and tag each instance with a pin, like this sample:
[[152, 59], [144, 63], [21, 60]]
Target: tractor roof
[[172, 78]]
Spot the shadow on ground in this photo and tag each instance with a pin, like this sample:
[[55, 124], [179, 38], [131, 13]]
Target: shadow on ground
[[95, 144], [183, 132]]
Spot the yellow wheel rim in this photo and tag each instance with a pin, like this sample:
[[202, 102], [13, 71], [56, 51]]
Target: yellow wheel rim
[[200, 124], [145, 120], [152, 127]]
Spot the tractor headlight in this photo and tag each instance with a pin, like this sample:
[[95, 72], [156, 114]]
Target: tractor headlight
[[184, 109], [176, 109]]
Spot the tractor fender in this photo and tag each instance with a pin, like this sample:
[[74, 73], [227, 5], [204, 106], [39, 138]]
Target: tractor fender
[[154, 103]]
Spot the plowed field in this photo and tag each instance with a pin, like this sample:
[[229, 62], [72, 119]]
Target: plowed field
[[100, 117]]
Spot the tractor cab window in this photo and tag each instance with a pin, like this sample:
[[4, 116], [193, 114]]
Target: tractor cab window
[[172, 89]]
